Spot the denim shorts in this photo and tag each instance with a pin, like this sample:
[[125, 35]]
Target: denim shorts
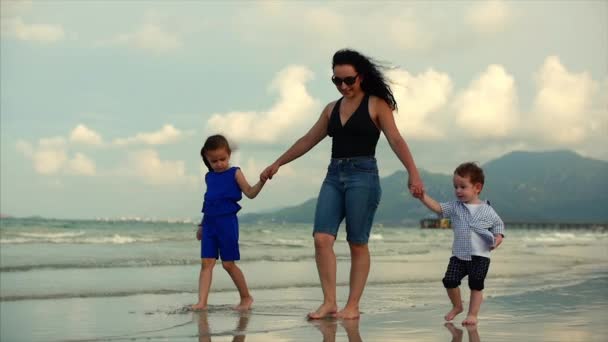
[[351, 191]]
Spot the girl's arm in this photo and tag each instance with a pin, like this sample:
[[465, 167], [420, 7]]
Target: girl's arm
[[316, 133], [431, 203], [248, 190], [398, 144]]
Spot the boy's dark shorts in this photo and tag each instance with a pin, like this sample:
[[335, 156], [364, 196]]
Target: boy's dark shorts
[[476, 269]]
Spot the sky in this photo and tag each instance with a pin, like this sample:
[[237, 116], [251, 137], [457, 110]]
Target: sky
[[104, 105]]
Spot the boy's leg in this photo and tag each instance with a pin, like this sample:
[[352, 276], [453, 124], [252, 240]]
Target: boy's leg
[[474, 305], [204, 283], [453, 275], [241, 284], [477, 275]]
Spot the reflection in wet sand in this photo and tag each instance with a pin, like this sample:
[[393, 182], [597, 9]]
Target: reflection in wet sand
[[204, 331], [457, 332], [329, 327]]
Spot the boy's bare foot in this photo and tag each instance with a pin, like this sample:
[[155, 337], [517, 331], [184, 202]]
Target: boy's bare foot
[[198, 307], [453, 313], [470, 320], [325, 310], [348, 313], [245, 304]]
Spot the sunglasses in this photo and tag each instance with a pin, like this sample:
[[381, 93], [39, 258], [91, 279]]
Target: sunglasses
[[349, 80]]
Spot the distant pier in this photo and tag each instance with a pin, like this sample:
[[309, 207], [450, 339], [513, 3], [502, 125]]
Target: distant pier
[[435, 223]]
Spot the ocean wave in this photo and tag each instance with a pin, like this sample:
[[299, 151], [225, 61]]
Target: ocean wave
[[559, 237], [74, 238]]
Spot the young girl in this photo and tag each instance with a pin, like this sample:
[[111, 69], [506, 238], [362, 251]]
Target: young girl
[[219, 229]]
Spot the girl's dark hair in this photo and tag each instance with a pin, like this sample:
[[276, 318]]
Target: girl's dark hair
[[214, 142], [373, 81]]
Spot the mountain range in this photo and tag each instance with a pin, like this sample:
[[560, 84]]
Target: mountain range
[[554, 186]]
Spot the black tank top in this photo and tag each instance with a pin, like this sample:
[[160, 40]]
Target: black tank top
[[359, 135]]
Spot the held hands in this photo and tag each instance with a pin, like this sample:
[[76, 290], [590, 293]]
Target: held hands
[[416, 186], [269, 172]]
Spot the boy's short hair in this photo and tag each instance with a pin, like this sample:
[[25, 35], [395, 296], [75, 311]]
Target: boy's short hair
[[472, 171]]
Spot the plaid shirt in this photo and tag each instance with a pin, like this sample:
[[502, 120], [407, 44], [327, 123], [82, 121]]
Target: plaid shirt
[[485, 222]]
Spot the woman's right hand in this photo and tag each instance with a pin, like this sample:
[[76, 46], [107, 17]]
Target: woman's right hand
[[269, 172]]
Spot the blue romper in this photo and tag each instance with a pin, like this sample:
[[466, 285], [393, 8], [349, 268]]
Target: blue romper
[[220, 224]]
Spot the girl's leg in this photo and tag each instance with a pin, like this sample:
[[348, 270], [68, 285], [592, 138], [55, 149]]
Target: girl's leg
[[359, 270], [204, 283], [474, 305], [326, 266], [241, 284]]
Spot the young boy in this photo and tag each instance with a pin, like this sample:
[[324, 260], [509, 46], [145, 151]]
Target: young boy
[[477, 230]]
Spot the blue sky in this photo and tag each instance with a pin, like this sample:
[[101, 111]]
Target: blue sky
[[105, 104]]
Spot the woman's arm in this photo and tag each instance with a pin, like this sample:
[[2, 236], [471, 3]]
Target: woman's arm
[[248, 190], [316, 133], [387, 124]]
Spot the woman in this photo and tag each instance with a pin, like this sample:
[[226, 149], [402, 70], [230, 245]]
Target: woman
[[351, 189]]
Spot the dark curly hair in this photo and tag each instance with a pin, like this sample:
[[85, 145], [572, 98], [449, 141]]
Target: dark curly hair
[[214, 142], [471, 170], [373, 80]]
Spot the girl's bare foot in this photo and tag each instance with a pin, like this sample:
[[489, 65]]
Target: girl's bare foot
[[245, 304], [325, 310], [198, 307], [453, 313], [470, 320], [348, 313]]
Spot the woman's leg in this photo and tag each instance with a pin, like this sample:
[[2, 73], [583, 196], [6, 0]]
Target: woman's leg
[[326, 266], [359, 270]]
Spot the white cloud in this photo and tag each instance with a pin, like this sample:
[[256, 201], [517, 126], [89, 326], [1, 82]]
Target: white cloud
[[488, 108], [294, 106], [149, 37], [488, 16], [563, 103], [152, 170], [81, 165], [45, 33], [166, 135], [50, 156], [418, 98], [83, 135]]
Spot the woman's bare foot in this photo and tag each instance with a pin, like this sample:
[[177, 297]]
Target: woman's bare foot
[[198, 307], [348, 313], [453, 313], [245, 304], [325, 310], [470, 320]]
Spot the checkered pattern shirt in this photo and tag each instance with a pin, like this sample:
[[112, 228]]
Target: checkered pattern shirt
[[485, 222]]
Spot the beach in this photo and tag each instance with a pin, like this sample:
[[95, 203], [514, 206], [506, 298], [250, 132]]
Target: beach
[[66, 280]]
